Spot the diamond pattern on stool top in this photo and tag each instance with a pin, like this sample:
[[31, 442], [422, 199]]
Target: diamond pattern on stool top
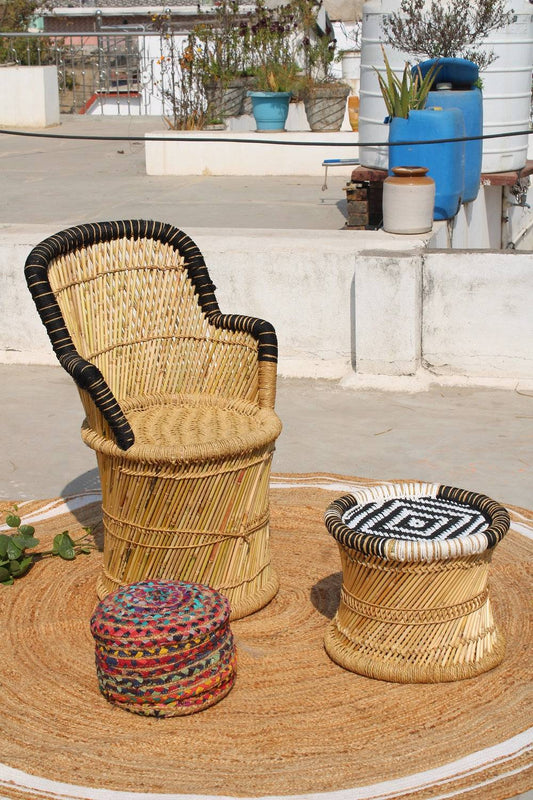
[[416, 518]]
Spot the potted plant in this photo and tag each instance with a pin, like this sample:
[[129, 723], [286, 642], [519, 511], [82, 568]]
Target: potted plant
[[178, 85], [274, 85], [324, 96], [483, 32], [276, 74], [221, 53], [410, 121], [349, 52], [446, 30], [408, 94]]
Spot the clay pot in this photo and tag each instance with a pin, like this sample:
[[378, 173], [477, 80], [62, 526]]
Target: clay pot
[[408, 201], [353, 111]]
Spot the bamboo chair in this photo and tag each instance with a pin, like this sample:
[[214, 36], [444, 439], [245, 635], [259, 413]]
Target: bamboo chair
[[179, 403]]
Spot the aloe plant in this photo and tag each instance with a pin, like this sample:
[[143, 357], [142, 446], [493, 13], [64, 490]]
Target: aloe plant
[[409, 93]]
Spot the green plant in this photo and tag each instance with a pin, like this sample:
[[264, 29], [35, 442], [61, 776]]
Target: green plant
[[319, 57], [15, 561], [16, 17], [273, 52], [222, 46], [278, 78], [179, 83], [446, 29], [409, 93]]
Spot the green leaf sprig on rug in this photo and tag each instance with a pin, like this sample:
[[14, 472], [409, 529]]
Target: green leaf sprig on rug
[[15, 561]]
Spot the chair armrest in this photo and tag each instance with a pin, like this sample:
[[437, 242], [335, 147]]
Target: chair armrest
[[86, 375], [267, 349], [89, 378]]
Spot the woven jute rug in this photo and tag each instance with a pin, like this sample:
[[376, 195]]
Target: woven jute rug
[[295, 723]]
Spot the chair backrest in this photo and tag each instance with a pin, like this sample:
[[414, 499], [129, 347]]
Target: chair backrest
[[134, 300]]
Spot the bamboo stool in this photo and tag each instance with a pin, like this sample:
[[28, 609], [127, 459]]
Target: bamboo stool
[[414, 604], [179, 401], [163, 648]]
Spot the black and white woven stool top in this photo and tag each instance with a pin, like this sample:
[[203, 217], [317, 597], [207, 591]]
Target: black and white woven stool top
[[416, 521], [416, 518]]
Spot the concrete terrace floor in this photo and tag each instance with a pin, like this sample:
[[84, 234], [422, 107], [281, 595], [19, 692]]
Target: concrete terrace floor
[[66, 182], [480, 439]]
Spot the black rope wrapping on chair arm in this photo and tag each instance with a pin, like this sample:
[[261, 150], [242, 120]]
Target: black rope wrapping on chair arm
[[86, 375], [89, 377], [260, 329]]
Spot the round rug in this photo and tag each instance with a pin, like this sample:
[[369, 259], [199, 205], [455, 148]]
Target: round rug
[[295, 724]]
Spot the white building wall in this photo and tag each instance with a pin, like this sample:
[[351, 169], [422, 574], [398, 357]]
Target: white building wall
[[477, 317]]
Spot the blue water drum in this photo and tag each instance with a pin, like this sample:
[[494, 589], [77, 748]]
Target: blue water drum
[[454, 88], [445, 161]]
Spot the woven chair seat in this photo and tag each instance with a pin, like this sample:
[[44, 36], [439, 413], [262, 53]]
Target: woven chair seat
[[188, 428], [424, 522]]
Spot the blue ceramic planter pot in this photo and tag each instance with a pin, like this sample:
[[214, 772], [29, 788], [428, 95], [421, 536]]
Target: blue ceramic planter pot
[[270, 110]]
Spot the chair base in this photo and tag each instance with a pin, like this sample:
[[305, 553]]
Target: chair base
[[190, 500], [415, 622]]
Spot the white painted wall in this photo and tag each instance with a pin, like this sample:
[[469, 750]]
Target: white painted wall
[[363, 307], [477, 317], [387, 312], [115, 106], [29, 97], [189, 156]]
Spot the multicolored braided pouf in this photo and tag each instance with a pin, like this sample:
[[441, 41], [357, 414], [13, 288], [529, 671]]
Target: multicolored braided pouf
[[164, 648]]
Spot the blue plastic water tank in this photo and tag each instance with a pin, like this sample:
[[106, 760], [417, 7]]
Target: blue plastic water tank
[[445, 161], [460, 75]]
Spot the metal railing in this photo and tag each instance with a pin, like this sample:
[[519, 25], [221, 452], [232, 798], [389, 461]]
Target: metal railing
[[98, 67]]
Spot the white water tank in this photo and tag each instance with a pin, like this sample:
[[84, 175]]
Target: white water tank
[[372, 109], [507, 91], [506, 87]]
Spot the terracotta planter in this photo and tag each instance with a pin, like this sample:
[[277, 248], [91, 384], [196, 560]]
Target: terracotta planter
[[353, 111], [325, 106]]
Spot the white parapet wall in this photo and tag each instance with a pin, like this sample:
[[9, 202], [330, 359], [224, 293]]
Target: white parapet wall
[[477, 315], [30, 97], [210, 152], [363, 307]]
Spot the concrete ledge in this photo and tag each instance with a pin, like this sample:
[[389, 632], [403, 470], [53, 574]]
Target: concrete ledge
[[371, 309], [184, 154]]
